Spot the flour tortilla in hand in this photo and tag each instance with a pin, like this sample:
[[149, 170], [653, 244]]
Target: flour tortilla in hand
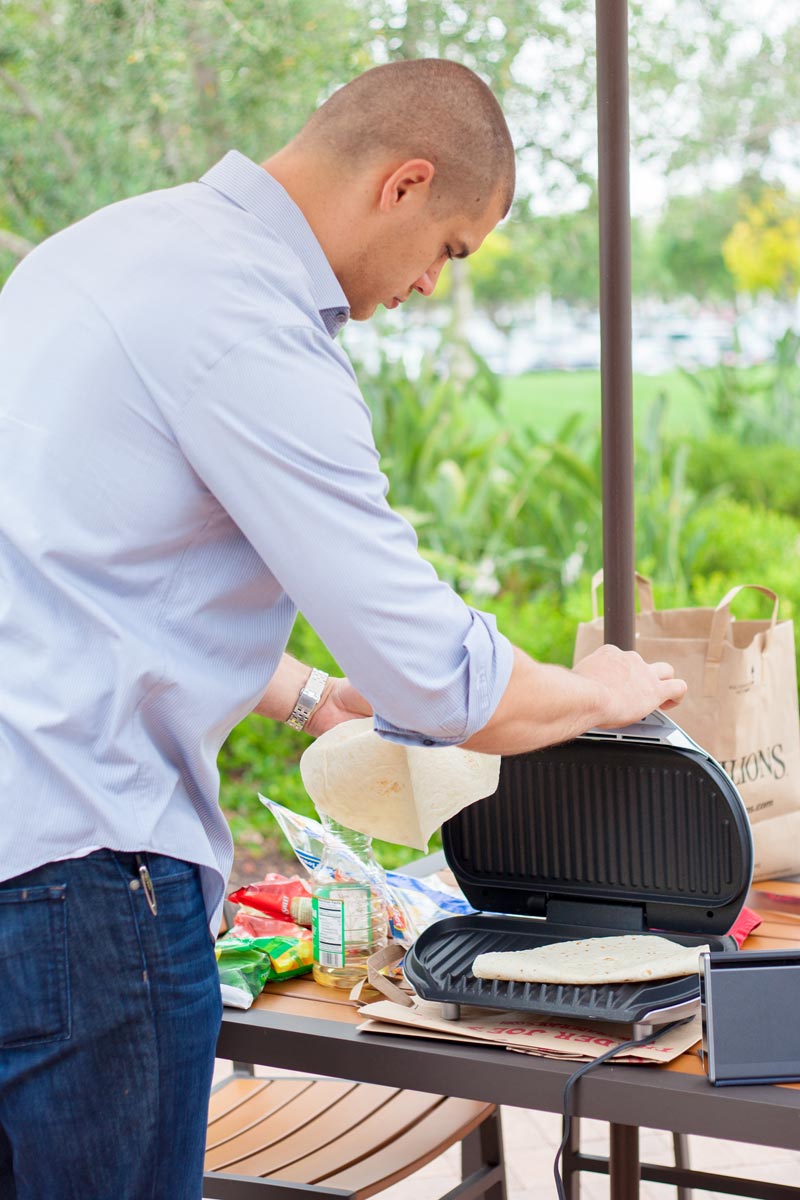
[[631, 958], [398, 793]]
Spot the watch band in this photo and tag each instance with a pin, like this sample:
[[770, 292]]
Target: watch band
[[307, 701]]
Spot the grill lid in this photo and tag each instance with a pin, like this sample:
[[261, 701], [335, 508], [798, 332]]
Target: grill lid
[[631, 831]]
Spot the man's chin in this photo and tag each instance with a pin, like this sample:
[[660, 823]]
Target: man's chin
[[363, 312]]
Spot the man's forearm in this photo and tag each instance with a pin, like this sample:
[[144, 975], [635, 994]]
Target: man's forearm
[[545, 704], [542, 705], [280, 697], [339, 700]]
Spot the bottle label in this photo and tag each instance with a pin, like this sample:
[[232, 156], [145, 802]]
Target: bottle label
[[341, 919], [300, 910]]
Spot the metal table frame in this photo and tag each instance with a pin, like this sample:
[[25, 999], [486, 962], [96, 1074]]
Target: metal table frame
[[624, 1096]]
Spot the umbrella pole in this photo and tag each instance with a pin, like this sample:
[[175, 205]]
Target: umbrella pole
[[616, 380]]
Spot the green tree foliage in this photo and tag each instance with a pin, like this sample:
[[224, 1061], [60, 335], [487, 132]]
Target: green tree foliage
[[688, 243], [715, 80], [762, 251], [558, 254], [102, 100], [569, 242]]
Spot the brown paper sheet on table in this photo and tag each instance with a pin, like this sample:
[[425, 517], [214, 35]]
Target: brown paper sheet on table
[[371, 1026], [530, 1033]]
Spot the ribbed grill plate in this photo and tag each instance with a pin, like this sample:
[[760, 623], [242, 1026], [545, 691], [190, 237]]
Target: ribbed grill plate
[[439, 967]]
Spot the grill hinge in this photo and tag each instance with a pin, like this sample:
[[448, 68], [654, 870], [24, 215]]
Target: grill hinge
[[629, 917]]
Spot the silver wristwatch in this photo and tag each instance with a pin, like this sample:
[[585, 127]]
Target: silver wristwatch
[[307, 701]]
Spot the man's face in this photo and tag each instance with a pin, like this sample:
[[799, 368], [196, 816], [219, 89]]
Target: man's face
[[408, 256]]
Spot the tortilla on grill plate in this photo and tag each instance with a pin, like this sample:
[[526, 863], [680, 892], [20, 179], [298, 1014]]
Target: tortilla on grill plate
[[630, 958]]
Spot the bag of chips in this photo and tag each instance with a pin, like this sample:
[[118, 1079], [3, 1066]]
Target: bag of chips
[[246, 963], [278, 896]]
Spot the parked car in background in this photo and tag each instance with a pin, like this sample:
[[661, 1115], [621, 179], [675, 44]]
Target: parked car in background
[[555, 337]]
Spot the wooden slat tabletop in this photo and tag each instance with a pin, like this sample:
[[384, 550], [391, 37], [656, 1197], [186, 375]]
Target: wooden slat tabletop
[[303, 997]]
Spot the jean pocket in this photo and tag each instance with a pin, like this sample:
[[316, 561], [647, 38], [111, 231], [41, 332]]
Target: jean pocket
[[34, 984]]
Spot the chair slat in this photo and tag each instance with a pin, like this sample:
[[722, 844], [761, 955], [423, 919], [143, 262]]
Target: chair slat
[[332, 1123], [364, 1138], [299, 1114], [451, 1121], [261, 1105], [231, 1092]]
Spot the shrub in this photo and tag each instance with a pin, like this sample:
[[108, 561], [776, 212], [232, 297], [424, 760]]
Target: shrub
[[761, 476], [731, 538]]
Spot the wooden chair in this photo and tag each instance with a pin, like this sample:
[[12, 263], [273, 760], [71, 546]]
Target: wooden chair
[[303, 1139]]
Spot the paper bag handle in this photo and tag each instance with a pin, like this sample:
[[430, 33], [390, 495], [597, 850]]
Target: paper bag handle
[[719, 624], [644, 592], [387, 957]]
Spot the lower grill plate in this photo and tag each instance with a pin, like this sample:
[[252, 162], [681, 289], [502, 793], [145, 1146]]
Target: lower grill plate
[[439, 968]]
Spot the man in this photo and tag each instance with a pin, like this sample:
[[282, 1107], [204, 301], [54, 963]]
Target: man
[[186, 460]]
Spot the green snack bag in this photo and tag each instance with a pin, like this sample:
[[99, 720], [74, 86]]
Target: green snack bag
[[247, 963]]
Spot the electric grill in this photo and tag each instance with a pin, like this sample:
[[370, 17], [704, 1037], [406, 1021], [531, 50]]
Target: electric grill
[[636, 830]]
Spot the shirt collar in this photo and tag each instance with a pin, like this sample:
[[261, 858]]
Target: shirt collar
[[255, 190]]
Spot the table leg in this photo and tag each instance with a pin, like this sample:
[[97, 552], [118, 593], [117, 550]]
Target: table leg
[[482, 1151], [623, 1161], [569, 1170]]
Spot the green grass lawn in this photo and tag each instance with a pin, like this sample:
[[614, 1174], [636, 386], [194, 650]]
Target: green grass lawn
[[545, 399]]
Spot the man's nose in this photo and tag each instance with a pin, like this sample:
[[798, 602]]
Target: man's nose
[[426, 283]]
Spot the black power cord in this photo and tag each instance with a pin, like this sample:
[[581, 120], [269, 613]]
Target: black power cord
[[584, 1069]]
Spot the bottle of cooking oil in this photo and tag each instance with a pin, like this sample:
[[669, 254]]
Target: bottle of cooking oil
[[348, 899]]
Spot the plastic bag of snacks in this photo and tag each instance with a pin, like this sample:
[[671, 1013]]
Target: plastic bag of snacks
[[258, 925], [413, 903], [278, 896], [246, 963]]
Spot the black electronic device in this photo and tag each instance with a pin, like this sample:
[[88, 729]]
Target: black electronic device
[[635, 830], [750, 1004]]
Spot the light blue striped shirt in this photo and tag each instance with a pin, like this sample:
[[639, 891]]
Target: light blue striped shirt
[[186, 461]]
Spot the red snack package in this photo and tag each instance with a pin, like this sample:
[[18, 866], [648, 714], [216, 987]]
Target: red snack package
[[259, 925], [278, 896], [744, 925]]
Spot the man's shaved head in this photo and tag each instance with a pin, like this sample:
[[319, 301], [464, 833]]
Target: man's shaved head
[[426, 108], [409, 165]]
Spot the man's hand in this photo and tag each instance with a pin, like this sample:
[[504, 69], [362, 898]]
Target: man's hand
[[545, 704], [634, 687], [340, 702]]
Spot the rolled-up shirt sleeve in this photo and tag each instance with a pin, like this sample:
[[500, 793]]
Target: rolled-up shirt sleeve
[[280, 434]]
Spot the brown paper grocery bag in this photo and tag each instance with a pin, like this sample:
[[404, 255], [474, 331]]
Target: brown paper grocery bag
[[741, 705]]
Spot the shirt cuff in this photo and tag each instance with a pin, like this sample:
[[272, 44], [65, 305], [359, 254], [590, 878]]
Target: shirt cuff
[[489, 660]]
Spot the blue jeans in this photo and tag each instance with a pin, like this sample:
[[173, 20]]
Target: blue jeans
[[108, 1022]]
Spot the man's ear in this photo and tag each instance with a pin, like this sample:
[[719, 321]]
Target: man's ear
[[408, 184]]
